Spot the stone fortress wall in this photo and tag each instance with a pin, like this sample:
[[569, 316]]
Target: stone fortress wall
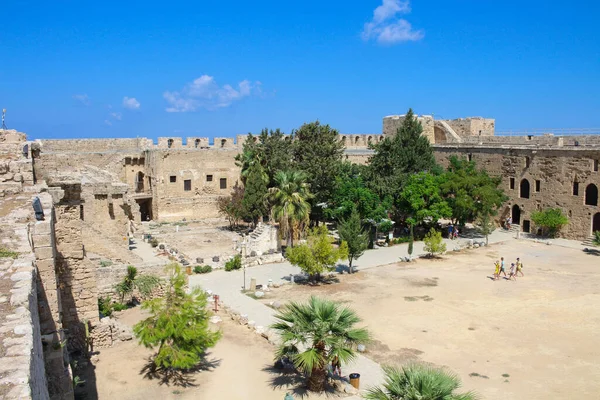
[[176, 178]]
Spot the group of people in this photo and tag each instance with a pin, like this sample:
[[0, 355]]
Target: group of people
[[515, 268], [452, 232]]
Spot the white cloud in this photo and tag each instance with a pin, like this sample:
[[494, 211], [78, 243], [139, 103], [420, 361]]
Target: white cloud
[[204, 92], [131, 103], [107, 122], [82, 98], [387, 27], [116, 115]]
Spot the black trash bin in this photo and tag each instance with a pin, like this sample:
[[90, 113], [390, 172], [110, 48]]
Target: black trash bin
[[355, 380]]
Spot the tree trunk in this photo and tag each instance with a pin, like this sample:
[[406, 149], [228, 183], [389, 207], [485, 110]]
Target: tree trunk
[[316, 380], [350, 271]]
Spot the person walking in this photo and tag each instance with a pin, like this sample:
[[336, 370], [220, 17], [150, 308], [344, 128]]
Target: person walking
[[512, 274], [497, 270], [502, 271], [519, 267], [450, 231], [455, 233]]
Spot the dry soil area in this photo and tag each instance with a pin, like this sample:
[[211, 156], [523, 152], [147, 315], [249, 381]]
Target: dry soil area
[[239, 368], [536, 338]]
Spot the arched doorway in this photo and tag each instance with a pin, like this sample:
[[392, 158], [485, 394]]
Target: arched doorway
[[139, 182], [516, 215], [596, 222], [591, 195], [439, 135], [524, 192]]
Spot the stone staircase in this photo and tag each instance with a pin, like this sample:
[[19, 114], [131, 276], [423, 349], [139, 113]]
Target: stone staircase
[[514, 229], [588, 242], [261, 240]]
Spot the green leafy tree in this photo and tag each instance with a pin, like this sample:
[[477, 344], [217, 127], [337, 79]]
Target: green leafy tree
[[177, 325], [434, 243], [551, 220], [471, 193], [313, 333], [422, 200], [350, 191], [486, 226], [290, 207], [398, 157], [318, 151], [254, 201], [351, 231], [418, 382], [145, 284], [318, 254], [232, 207]]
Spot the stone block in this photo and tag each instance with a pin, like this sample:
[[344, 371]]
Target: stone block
[[41, 240], [44, 253], [42, 227]]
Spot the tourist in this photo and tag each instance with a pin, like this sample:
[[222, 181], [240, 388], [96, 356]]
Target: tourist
[[502, 271], [519, 267], [508, 222], [512, 274], [336, 365], [450, 231], [455, 233], [497, 270]]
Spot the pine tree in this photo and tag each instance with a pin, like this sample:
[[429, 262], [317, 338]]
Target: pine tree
[[178, 325], [255, 194], [352, 232]]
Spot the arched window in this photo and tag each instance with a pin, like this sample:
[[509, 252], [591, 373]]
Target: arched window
[[170, 143], [344, 139], [524, 192], [591, 195], [356, 139], [370, 138], [197, 143], [223, 142]]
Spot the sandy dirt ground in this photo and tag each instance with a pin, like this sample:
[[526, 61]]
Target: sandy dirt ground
[[203, 239], [536, 338], [239, 369]]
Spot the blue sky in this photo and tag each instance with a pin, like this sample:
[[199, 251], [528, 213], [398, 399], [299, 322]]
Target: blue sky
[[216, 68]]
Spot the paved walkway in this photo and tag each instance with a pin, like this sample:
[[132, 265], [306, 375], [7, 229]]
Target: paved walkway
[[228, 286]]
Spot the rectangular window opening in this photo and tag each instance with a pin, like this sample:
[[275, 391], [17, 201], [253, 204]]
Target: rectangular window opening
[[209, 178], [470, 157], [537, 185], [223, 183], [595, 165], [527, 162], [187, 185], [173, 178], [575, 188], [512, 183]]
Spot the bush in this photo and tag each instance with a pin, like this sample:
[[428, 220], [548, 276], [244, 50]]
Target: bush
[[400, 240], [550, 220], [4, 252], [119, 306], [234, 263], [434, 244], [202, 269], [106, 263], [597, 238], [105, 306], [154, 242]]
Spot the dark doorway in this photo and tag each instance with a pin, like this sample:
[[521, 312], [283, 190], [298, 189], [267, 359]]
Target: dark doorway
[[524, 192], [526, 226], [591, 195], [596, 222], [516, 215], [145, 209]]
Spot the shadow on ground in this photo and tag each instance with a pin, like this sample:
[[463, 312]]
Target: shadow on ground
[[593, 252], [294, 382], [171, 377]]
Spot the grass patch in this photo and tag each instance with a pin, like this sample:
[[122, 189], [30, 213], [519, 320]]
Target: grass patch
[[106, 263], [505, 375], [408, 298], [6, 253], [476, 375]]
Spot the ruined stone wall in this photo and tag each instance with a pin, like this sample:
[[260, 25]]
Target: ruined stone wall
[[474, 126], [95, 145], [187, 183], [393, 122], [16, 167], [556, 170]]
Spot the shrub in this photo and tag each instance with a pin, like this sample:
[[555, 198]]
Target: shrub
[[550, 220], [234, 263], [119, 306], [106, 263], [400, 240], [597, 238], [434, 244], [4, 252], [154, 242], [105, 306], [202, 269]]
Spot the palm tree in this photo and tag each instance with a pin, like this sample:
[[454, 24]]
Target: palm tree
[[290, 198], [313, 333], [418, 382]]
